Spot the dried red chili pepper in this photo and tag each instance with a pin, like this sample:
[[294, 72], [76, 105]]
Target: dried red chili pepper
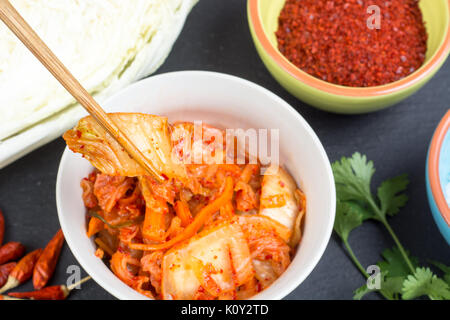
[[11, 251], [46, 264], [3, 297], [49, 293], [335, 41], [22, 271], [5, 270], [2, 227]]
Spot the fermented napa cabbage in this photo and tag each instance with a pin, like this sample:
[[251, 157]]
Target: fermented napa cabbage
[[106, 44], [150, 134]]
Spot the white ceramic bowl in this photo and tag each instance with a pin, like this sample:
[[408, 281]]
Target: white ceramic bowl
[[228, 102]]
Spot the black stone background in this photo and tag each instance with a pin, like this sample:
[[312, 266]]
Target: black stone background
[[216, 38]]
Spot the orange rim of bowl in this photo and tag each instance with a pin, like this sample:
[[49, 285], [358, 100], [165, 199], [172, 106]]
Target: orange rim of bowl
[[433, 167], [436, 60]]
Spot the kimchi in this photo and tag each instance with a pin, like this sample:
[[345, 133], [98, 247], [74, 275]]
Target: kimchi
[[211, 230]]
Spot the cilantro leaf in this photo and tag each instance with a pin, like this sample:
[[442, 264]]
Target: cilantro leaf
[[359, 293], [363, 210], [424, 282], [390, 287], [347, 219], [349, 215], [355, 204], [353, 176], [388, 193], [394, 271], [444, 269], [394, 264]]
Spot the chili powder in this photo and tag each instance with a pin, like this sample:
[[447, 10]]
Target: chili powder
[[331, 40]]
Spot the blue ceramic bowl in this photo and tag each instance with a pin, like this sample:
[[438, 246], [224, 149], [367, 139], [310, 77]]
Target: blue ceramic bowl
[[438, 176]]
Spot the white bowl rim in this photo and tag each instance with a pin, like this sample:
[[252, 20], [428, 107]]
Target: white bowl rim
[[329, 174]]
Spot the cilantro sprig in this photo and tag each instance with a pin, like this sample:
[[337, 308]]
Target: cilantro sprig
[[401, 276]]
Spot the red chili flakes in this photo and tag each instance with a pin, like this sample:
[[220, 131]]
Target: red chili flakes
[[331, 40]]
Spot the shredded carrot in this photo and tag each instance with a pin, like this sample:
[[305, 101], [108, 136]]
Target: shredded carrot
[[155, 223], [131, 199], [95, 226], [104, 246], [227, 211], [175, 228], [156, 209], [196, 224], [183, 212], [119, 265]]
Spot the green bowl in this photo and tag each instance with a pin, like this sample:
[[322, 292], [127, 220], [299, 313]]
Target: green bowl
[[263, 21]]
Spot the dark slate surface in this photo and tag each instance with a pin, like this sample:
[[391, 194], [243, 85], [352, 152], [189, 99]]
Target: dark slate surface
[[216, 38]]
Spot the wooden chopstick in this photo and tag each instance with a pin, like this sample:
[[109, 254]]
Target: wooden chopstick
[[34, 43]]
